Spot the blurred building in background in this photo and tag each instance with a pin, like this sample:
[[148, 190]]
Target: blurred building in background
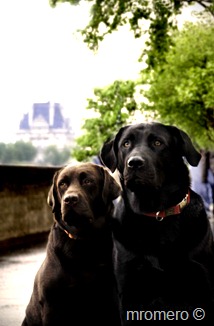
[[45, 125], [47, 128]]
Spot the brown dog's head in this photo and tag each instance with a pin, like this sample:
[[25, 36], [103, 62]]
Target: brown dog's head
[[82, 194]]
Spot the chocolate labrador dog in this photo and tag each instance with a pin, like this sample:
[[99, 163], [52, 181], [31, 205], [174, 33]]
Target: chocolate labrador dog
[[163, 244], [75, 284]]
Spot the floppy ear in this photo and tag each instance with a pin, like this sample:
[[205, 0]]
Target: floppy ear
[[111, 189], [187, 149], [52, 199], [192, 155], [108, 154]]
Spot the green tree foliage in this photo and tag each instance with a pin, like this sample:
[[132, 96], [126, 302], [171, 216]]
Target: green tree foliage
[[112, 107], [108, 15], [179, 68], [17, 152], [180, 93], [56, 156], [181, 89]]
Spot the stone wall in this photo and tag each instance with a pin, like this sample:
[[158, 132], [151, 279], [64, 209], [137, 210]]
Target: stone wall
[[23, 201]]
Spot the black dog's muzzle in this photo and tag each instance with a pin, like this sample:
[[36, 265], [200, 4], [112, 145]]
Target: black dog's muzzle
[[135, 162]]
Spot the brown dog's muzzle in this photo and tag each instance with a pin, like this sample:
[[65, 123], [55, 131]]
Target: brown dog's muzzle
[[71, 199], [75, 203]]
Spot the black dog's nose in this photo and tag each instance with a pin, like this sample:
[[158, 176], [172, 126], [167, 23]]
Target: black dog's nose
[[71, 199], [135, 162]]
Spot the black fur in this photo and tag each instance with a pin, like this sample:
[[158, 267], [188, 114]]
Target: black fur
[[167, 265]]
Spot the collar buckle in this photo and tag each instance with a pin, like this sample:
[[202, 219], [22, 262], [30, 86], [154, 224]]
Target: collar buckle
[[158, 218], [175, 210]]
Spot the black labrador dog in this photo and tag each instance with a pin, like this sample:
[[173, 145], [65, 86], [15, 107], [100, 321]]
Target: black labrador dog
[[75, 285], [163, 244]]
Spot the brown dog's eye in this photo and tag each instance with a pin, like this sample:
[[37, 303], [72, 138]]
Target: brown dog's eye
[[87, 181], [127, 143], [62, 185]]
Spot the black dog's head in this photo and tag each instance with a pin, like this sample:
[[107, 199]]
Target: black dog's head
[[82, 193], [150, 155]]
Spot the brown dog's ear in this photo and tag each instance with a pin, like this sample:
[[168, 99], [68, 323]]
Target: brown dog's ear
[[187, 149], [52, 199], [111, 189]]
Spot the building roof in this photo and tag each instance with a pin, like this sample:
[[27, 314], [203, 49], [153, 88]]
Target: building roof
[[48, 113]]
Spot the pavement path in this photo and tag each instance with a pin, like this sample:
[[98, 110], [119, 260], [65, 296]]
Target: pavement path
[[17, 273]]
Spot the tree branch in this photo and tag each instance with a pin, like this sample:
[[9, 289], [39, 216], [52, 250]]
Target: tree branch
[[207, 5]]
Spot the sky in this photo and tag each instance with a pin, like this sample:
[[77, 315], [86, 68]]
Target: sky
[[43, 58]]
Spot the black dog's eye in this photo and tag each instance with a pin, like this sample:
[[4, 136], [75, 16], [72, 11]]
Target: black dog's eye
[[157, 143], [127, 143]]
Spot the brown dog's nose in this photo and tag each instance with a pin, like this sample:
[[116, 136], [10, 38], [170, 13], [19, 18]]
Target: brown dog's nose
[[71, 199], [135, 162]]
